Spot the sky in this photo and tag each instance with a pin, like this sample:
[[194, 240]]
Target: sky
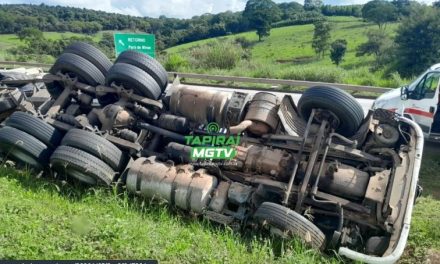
[[169, 8]]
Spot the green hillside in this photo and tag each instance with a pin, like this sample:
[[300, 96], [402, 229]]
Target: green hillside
[[287, 54], [8, 41]]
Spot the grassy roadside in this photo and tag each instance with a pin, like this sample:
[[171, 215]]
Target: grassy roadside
[[45, 219], [287, 54]]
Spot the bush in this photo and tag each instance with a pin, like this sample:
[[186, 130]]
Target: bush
[[175, 62], [217, 55], [244, 42], [314, 73]]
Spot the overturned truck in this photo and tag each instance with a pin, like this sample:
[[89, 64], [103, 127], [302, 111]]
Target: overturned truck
[[318, 170]]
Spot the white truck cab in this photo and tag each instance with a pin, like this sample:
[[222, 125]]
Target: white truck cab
[[418, 101]]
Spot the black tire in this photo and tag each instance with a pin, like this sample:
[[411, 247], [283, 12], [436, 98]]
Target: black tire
[[291, 222], [75, 66], [36, 128], [92, 54], [6, 105], [81, 165], [96, 146], [132, 77], [342, 104], [24, 148], [146, 63]]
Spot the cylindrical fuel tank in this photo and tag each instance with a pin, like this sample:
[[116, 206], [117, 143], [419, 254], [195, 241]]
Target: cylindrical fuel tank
[[179, 185], [263, 111], [149, 178], [199, 106], [342, 180]]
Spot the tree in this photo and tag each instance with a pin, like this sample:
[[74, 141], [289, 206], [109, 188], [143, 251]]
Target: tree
[[337, 51], [312, 4], [436, 4], [417, 40], [289, 10], [379, 12], [405, 7], [261, 14], [374, 45], [321, 37], [30, 34]]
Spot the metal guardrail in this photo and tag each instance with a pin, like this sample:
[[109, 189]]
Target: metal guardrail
[[347, 87], [25, 64]]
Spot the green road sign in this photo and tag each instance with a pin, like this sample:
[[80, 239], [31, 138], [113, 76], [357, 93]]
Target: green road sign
[[145, 43]]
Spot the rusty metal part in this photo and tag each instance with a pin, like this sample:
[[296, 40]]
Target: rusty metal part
[[263, 160], [178, 152], [219, 197], [298, 158], [123, 144], [60, 103], [163, 132], [199, 106], [263, 110], [377, 186], [340, 179], [128, 135], [115, 116], [219, 218], [311, 163], [174, 123], [179, 185], [385, 135], [73, 110], [238, 129], [290, 118], [239, 193], [235, 110], [85, 99]]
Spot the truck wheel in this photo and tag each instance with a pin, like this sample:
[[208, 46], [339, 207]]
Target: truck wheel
[[92, 54], [96, 146], [35, 127], [24, 148], [342, 104], [81, 166], [132, 77], [75, 66], [290, 223], [147, 64]]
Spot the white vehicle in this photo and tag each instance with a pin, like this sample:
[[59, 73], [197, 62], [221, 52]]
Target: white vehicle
[[418, 101]]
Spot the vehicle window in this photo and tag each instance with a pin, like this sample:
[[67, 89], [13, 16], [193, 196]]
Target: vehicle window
[[427, 87]]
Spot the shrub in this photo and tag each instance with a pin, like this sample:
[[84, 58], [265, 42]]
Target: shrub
[[244, 42], [175, 62], [314, 73], [217, 55]]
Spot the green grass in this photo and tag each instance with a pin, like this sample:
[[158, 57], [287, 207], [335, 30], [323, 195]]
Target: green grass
[[45, 219], [11, 40], [42, 219], [287, 53]]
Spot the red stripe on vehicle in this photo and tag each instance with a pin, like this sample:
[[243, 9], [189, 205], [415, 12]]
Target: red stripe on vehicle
[[419, 112]]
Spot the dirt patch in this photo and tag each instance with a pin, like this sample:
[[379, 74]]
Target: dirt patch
[[433, 256]]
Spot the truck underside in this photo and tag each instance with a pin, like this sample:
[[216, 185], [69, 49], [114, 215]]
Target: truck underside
[[318, 170]]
